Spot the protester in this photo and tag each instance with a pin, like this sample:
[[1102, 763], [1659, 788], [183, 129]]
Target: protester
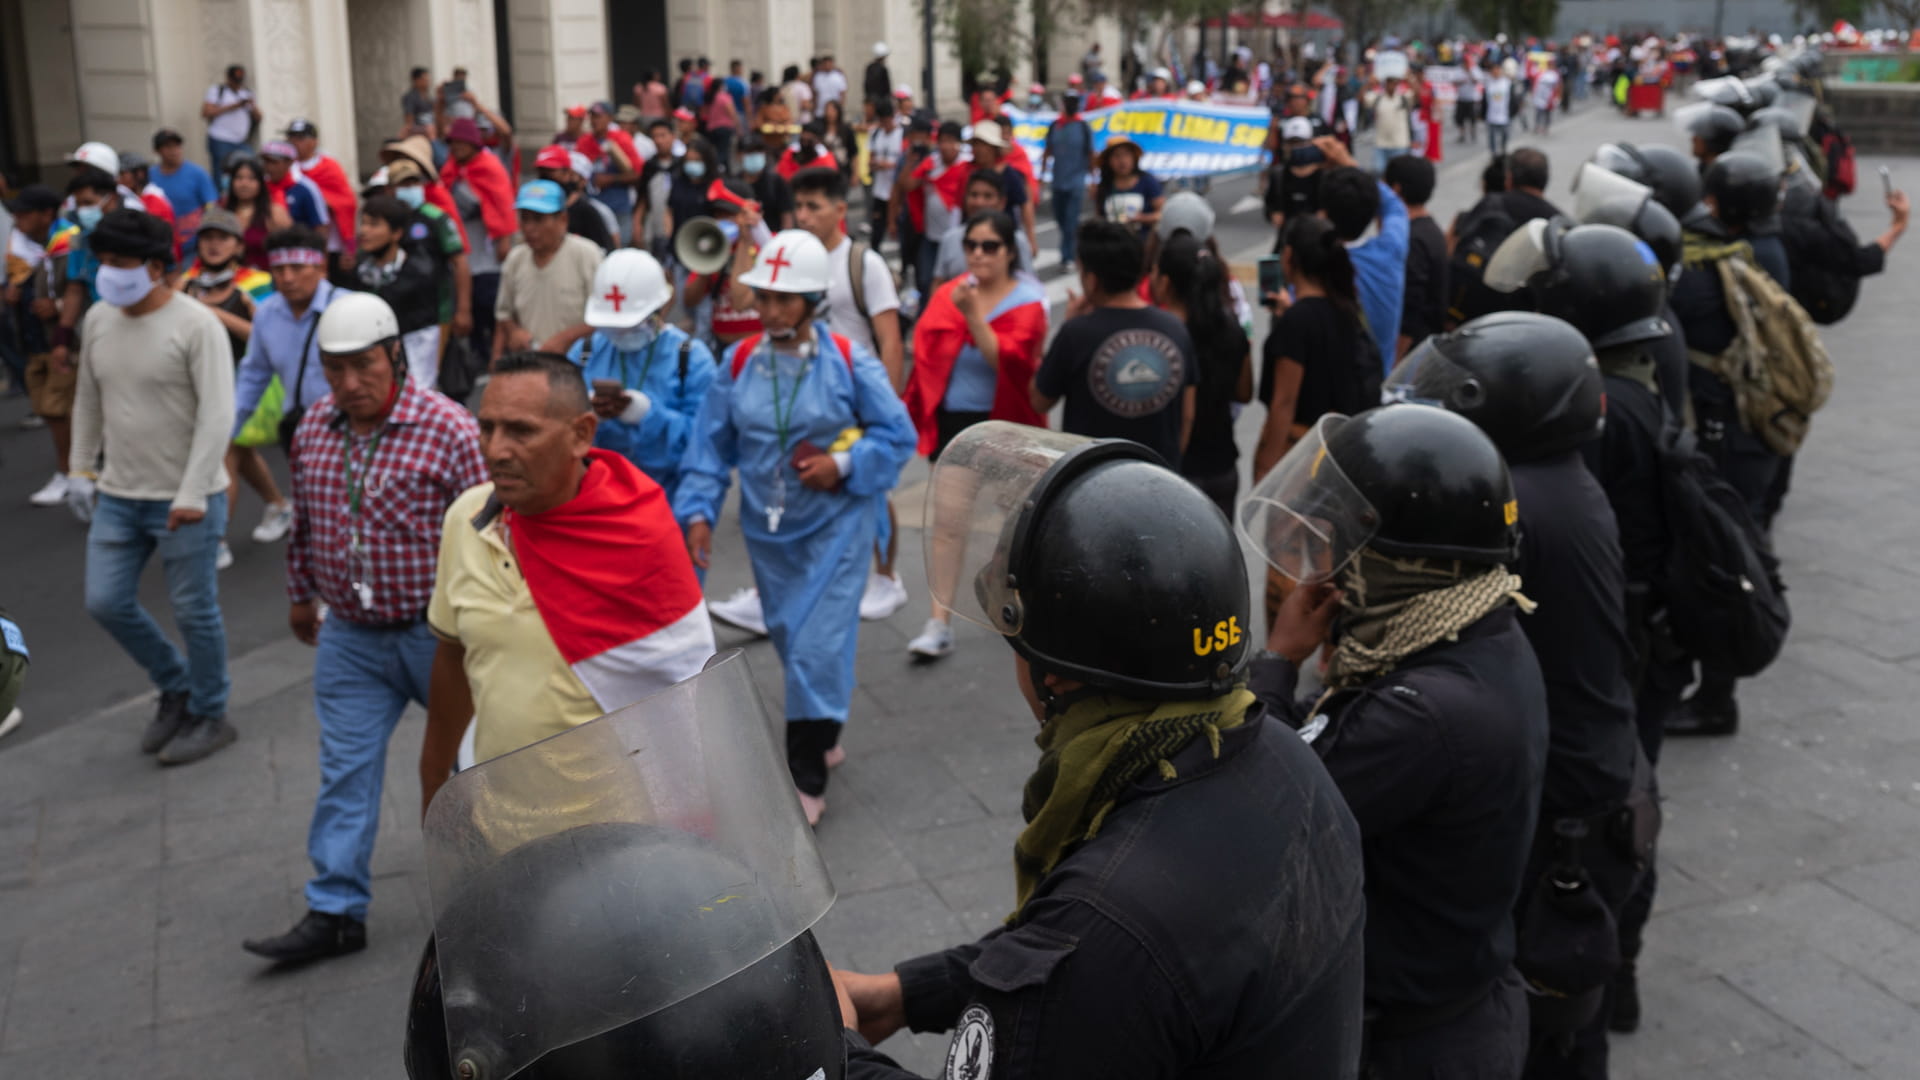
[[886, 144], [616, 161], [330, 178], [691, 176], [545, 282], [1318, 357], [990, 148], [1189, 282], [648, 376], [254, 207], [650, 96], [1127, 194], [1125, 368], [365, 547], [466, 297], [809, 153], [134, 176], [1424, 306], [586, 216], [562, 590], [936, 189], [1392, 106], [150, 416], [721, 119], [1356, 202], [1500, 100], [409, 275], [419, 114], [231, 290], [1293, 184], [281, 343], [484, 194], [730, 315], [187, 186], [32, 296], [231, 113], [986, 193], [1069, 154], [810, 503]]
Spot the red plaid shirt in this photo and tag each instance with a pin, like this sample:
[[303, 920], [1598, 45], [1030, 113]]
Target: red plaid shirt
[[429, 452]]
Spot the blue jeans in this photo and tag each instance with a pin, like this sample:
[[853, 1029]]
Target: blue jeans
[[1067, 204], [124, 534], [217, 152], [362, 681], [1382, 155], [1497, 138]]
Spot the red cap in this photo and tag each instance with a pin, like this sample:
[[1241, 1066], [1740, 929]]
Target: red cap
[[683, 113], [576, 110], [1036, 88], [554, 157], [1074, 79]]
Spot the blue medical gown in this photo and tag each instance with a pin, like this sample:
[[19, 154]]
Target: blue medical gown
[[812, 570], [658, 443]]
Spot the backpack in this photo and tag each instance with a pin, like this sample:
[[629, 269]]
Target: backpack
[[1726, 605], [1359, 388], [1777, 368], [857, 284], [1479, 235], [1840, 165], [1823, 249]]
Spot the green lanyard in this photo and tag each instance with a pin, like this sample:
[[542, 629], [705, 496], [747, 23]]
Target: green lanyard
[[626, 373], [781, 419], [356, 482]]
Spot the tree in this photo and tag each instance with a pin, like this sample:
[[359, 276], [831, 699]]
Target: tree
[[1821, 14], [1516, 18], [1904, 12]]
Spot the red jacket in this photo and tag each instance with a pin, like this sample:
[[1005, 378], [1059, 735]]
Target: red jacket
[[939, 335], [491, 186], [790, 162], [337, 190], [952, 186]]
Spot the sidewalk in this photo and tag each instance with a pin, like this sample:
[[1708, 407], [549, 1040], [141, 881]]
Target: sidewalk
[[1787, 944]]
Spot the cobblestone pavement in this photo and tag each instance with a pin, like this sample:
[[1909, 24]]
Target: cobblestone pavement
[[1785, 945]]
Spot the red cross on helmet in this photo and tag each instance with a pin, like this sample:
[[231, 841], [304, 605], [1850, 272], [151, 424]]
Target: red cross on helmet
[[794, 261], [628, 287]]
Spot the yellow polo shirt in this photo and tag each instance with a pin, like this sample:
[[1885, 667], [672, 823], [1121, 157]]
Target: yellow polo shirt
[[523, 691]]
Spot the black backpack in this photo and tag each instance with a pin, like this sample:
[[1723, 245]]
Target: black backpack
[[1726, 605], [1479, 234], [1824, 251]]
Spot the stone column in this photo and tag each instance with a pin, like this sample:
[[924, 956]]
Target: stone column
[[559, 58], [303, 67]]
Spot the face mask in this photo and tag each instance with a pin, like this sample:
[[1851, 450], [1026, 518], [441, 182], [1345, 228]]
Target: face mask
[[753, 163], [633, 338], [413, 195], [87, 216], [696, 169], [1306, 155], [123, 288]]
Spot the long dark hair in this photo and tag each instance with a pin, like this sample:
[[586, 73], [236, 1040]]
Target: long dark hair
[[262, 203], [1196, 275], [1319, 254], [1002, 225]]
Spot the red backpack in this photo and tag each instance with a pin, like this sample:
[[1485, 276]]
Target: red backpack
[[751, 342], [1840, 168]]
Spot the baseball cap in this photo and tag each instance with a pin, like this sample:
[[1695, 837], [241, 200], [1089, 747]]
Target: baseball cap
[[133, 159], [380, 180], [683, 113], [541, 197], [576, 110], [989, 134], [466, 131], [166, 137], [1186, 210], [554, 157], [33, 197], [301, 126], [97, 154], [280, 149], [1074, 79], [1296, 129], [903, 91], [602, 108], [220, 219], [627, 114]]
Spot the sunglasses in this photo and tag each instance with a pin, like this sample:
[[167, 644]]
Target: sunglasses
[[985, 247]]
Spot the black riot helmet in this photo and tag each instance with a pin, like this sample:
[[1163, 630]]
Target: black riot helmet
[[1764, 92], [1782, 118], [1529, 381], [1674, 178], [1715, 126], [1646, 219], [1407, 481], [776, 1019], [1745, 189], [1728, 91], [1604, 281], [1096, 561]]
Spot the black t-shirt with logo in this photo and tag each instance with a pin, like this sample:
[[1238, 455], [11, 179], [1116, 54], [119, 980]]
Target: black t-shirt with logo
[[1122, 372]]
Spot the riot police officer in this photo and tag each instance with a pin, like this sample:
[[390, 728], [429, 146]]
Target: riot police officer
[[1712, 127], [1650, 222], [1188, 892], [631, 898], [1399, 523], [1530, 382]]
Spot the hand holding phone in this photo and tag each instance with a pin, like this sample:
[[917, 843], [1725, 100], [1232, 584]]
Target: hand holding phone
[[1886, 181], [1272, 278]]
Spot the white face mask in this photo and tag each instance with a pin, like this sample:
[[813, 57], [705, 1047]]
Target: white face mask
[[123, 288], [633, 338]]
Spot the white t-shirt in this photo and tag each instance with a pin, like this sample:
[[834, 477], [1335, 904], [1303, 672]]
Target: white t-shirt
[[1499, 98], [883, 151], [829, 86], [233, 126], [1544, 86], [842, 316]]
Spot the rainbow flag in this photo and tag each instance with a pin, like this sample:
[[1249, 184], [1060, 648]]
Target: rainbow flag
[[63, 240], [255, 282]]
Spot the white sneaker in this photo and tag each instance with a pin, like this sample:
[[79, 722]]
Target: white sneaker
[[33, 421], [53, 494], [934, 642], [885, 594], [742, 609], [225, 558], [12, 720], [274, 523]]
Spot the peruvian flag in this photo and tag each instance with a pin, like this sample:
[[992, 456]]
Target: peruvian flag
[[611, 577]]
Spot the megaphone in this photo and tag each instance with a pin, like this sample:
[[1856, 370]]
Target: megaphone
[[703, 245]]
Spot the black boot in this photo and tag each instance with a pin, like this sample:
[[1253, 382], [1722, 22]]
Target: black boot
[[1704, 714], [315, 937], [167, 721], [1625, 1000]]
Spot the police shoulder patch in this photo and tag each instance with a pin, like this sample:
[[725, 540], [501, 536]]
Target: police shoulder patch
[[970, 1055]]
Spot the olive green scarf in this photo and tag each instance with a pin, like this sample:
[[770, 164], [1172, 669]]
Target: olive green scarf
[[1092, 752], [1394, 608]]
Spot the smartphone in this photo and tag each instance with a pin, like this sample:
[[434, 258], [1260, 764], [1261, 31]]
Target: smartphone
[[1886, 181], [1272, 279], [607, 388]]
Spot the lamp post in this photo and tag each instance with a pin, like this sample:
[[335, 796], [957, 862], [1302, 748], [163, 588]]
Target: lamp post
[[926, 47]]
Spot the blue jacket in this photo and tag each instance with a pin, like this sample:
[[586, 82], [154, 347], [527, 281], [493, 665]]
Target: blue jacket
[[1380, 272], [675, 383]]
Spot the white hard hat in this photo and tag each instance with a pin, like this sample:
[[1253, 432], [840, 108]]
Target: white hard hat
[[1161, 73], [628, 287], [1195, 87], [99, 155], [880, 48], [794, 261], [355, 322], [379, 178]]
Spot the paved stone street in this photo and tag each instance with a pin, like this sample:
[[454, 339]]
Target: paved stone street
[[1785, 945]]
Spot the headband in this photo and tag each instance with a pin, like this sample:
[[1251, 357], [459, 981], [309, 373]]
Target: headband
[[296, 256]]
